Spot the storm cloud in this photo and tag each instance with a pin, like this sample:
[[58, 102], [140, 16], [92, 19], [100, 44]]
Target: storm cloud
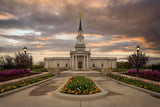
[[119, 24]]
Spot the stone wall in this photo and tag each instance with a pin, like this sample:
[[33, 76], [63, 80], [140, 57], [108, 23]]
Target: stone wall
[[57, 62], [103, 62]]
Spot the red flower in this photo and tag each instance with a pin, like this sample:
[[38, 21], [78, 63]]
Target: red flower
[[92, 86], [158, 85]]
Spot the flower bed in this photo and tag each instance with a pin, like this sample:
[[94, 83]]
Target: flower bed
[[80, 85], [17, 84], [151, 75], [14, 73], [136, 82]]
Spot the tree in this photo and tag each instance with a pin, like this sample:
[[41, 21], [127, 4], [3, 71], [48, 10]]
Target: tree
[[138, 60], [8, 62], [2, 62], [41, 64], [21, 62], [122, 65]]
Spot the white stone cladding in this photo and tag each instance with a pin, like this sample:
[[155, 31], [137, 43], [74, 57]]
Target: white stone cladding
[[102, 62], [57, 62]]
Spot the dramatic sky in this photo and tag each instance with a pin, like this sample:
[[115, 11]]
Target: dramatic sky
[[111, 28]]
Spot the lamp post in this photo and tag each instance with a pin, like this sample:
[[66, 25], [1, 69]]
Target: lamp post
[[138, 48], [25, 50]]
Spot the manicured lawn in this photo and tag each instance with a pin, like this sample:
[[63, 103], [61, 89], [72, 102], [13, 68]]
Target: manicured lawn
[[38, 69]]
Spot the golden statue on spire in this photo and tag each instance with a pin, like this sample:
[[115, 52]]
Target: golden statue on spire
[[80, 15]]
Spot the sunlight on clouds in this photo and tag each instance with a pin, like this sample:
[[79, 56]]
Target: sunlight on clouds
[[64, 36], [6, 16], [97, 35], [43, 38], [41, 45], [19, 32], [8, 42]]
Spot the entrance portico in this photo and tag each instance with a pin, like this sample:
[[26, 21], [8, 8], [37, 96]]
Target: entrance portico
[[80, 61]]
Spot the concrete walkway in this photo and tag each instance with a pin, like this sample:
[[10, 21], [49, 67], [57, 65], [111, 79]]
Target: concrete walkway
[[43, 96]]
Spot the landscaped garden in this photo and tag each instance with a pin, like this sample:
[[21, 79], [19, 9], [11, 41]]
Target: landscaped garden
[[17, 84], [14, 73], [136, 82], [151, 75], [80, 85]]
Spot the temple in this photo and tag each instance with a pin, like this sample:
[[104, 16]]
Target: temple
[[80, 58]]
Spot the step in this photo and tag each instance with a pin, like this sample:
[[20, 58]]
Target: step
[[80, 73]]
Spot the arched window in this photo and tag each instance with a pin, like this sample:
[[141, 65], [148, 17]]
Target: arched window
[[58, 65]]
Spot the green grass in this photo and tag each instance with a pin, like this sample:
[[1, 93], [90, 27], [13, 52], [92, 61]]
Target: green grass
[[128, 69], [38, 69]]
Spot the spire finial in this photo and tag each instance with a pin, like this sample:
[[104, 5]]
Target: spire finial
[[80, 26], [80, 15]]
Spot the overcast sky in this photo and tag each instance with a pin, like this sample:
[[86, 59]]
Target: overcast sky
[[49, 28]]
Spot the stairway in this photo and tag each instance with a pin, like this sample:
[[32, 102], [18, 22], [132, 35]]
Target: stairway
[[80, 73]]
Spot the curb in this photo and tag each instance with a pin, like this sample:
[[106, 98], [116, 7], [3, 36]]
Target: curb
[[152, 93], [101, 94], [24, 87]]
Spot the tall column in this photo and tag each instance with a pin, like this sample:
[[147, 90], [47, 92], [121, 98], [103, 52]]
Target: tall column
[[84, 62], [70, 63], [72, 58], [87, 61], [76, 62]]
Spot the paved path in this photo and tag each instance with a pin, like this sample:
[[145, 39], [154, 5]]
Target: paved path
[[42, 96]]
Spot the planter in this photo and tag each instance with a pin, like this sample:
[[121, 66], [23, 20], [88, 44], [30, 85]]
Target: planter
[[81, 90]]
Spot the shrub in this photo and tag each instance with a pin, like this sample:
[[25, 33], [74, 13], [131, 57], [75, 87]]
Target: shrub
[[13, 72]]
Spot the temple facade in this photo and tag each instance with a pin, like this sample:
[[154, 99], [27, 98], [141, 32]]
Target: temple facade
[[80, 58]]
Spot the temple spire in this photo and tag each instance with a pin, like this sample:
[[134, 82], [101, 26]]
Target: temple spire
[[80, 26]]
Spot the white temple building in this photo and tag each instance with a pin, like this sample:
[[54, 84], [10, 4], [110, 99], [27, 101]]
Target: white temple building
[[80, 58]]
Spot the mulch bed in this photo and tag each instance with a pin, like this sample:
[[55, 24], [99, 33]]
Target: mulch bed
[[2, 79], [145, 77]]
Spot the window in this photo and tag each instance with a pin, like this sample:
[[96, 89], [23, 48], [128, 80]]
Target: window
[[66, 65], [57, 65], [102, 65], [93, 65]]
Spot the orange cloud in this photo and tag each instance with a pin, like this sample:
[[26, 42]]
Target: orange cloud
[[6, 16], [122, 38], [41, 45], [97, 35], [43, 38]]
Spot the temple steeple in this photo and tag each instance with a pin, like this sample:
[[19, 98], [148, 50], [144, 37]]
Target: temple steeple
[[80, 44], [80, 24]]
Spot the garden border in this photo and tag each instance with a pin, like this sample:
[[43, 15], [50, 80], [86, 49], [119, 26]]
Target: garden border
[[23, 78], [24, 87], [81, 97], [152, 93]]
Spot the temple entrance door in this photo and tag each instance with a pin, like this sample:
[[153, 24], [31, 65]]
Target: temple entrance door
[[80, 65]]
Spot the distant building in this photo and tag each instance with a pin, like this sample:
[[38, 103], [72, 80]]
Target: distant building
[[80, 58]]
